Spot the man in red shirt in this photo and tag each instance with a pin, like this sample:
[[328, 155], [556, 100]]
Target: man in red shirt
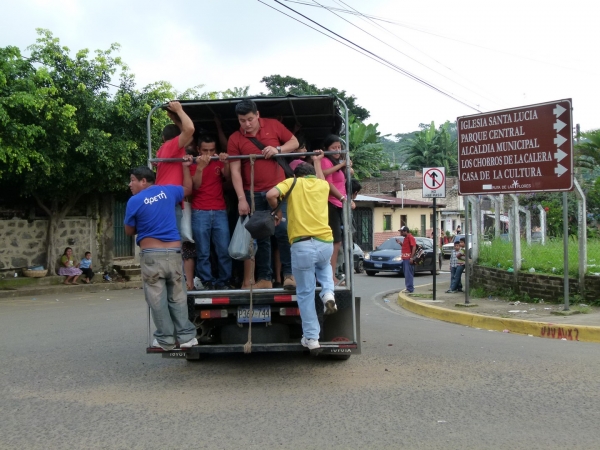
[[176, 137], [275, 138], [209, 214], [409, 246]]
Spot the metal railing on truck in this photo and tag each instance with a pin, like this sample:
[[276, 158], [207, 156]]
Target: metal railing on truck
[[340, 331]]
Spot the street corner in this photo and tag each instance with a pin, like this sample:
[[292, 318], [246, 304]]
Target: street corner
[[422, 303]]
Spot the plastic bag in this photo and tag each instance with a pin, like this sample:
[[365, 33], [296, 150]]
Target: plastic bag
[[186, 223], [242, 245]]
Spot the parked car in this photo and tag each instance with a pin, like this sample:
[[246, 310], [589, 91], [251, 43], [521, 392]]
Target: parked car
[[359, 258], [447, 248], [388, 257]]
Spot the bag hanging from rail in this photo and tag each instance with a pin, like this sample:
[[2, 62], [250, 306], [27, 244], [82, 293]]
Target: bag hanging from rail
[[262, 223], [241, 246]]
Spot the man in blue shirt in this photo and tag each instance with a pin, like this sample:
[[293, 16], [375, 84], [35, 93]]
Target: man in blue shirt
[[150, 214]]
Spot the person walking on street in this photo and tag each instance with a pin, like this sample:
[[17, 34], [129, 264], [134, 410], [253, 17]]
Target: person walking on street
[[409, 246], [456, 285]]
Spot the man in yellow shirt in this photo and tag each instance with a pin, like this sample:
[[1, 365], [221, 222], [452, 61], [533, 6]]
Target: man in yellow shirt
[[311, 242]]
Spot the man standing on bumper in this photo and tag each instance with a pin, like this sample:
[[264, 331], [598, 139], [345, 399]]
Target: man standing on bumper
[[267, 173], [409, 246], [312, 243], [150, 214]]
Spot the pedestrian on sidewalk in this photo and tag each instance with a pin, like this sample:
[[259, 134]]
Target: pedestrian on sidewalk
[[453, 269], [409, 246], [456, 285], [86, 267]]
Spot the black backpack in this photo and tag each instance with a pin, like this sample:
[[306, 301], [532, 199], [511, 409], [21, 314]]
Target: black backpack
[[419, 257]]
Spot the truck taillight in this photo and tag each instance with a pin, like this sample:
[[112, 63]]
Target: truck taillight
[[289, 311], [213, 314]]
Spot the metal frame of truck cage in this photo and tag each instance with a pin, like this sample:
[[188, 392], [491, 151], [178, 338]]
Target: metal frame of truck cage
[[329, 348]]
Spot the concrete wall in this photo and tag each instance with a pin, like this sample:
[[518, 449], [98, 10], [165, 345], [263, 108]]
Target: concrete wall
[[23, 242], [547, 287]]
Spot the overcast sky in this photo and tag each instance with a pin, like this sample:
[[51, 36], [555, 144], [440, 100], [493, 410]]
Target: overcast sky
[[481, 55]]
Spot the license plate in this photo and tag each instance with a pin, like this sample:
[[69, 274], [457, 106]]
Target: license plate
[[379, 266], [259, 314]]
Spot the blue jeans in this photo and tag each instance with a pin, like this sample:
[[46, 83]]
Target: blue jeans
[[409, 275], [309, 258], [162, 272], [212, 226], [264, 270], [456, 278]]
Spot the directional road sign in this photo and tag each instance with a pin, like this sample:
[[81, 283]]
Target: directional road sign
[[525, 149], [434, 182]]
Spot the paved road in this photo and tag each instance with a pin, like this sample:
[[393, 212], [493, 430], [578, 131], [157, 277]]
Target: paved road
[[74, 375]]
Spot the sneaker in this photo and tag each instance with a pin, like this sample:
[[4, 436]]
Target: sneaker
[[311, 344], [460, 290], [329, 306], [289, 282], [449, 291], [263, 284], [189, 344], [198, 284], [165, 347]]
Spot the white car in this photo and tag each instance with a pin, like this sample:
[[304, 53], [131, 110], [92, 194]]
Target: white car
[[447, 248]]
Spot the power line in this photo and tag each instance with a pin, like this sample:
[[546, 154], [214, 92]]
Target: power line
[[401, 52], [422, 30], [366, 18], [380, 59]]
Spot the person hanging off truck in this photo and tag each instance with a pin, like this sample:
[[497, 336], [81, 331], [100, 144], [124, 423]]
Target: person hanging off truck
[[311, 242], [267, 137], [150, 214]]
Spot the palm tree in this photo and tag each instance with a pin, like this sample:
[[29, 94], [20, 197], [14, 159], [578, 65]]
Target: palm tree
[[432, 148], [366, 150], [587, 153]]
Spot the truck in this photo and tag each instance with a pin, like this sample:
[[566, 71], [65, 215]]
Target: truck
[[223, 318]]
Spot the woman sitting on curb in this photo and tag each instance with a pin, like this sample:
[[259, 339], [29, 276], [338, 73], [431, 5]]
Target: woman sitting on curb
[[69, 268]]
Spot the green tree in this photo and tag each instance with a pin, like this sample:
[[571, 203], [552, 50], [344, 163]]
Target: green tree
[[63, 134], [280, 86], [587, 153], [366, 149], [432, 147]]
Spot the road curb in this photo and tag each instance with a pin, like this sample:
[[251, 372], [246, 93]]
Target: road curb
[[569, 332], [60, 289]]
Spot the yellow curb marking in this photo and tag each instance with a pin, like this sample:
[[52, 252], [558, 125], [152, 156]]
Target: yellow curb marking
[[539, 329]]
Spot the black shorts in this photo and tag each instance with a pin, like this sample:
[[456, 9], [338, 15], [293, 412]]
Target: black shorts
[[188, 250], [335, 222]]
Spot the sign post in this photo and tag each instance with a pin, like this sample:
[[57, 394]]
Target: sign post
[[434, 186], [524, 149]]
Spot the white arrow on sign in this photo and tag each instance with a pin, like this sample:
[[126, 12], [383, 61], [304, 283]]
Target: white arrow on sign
[[559, 140], [559, 170], [559, 125], [559, 155], [558, 110]]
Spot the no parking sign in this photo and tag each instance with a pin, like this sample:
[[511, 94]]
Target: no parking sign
[[434, 182]]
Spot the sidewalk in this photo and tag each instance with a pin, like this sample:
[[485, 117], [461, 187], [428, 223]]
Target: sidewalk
[[31, 287], [498, 314]]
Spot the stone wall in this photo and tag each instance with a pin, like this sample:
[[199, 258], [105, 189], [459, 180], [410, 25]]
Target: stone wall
[[547, 287], [23, 242]]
